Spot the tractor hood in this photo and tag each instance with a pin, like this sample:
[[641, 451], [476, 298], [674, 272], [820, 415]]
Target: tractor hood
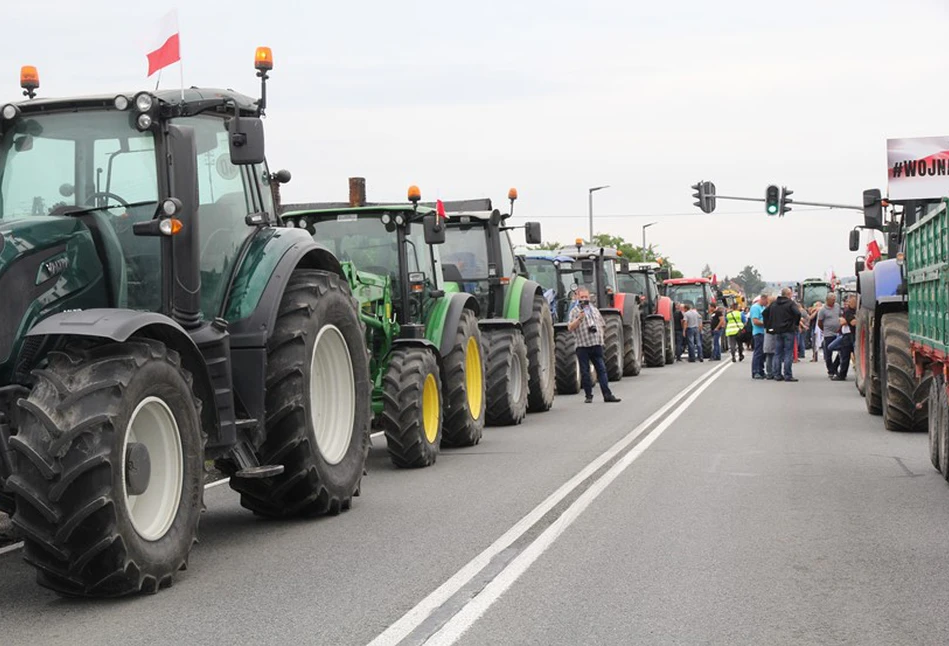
[[47, 264]]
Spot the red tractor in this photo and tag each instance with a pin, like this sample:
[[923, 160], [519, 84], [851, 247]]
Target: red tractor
[[696, 292], [641, 278]]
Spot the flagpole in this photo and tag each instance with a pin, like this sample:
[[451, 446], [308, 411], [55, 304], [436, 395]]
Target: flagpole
[[158, 82], [181, 60]]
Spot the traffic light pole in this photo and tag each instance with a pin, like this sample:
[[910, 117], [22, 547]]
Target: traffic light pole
[[826, 205]]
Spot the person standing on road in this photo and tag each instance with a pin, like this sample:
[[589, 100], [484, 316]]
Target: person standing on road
[[828, 320], [733, 327], [678, 330], [843, 344], [769, 341], [785, 319], [693, 329], [757, 332], [588, 327], [717, 320], [816, 337]]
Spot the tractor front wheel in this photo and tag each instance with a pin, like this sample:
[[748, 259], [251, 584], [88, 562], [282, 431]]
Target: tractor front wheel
[[110, 452], [613, 347], [568, 367], [633, 347], [463, 380], [506, 371], [412, 409], [539, 338], [317, 402], [905, 399], [654, 342], [938, 421], [860, 352], [670, 343]]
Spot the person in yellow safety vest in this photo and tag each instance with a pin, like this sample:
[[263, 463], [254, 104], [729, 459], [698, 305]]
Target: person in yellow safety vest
[[733, 326]]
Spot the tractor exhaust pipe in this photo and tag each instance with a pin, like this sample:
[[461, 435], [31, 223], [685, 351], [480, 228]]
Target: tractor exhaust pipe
[[357, 191], [185, 288]]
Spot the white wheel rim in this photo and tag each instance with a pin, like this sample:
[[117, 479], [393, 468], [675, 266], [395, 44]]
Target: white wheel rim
[[332, 394], [153, 512], [517, 375]]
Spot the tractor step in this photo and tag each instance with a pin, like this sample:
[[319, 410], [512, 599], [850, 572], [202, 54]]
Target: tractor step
[[260, 472]]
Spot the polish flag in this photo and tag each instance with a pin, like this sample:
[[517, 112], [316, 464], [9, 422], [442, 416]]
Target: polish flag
[[166, 48], [440, 209], [873, 254]]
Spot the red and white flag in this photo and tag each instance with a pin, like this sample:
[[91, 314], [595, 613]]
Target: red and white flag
[[165, 48], [440, 209], [873, 254]]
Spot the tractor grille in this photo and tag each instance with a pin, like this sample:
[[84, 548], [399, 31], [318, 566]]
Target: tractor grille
[[18, 290]]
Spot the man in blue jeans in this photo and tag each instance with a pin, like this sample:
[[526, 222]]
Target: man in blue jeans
[[693, 332], [757, 332], [588, 327], [785, 321]]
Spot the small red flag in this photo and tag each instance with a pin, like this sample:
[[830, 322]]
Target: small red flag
[[440, 209], [167, 49], [873, 254]]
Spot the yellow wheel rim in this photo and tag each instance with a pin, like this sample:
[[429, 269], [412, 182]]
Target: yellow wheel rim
[[431, 410], [473, 382]]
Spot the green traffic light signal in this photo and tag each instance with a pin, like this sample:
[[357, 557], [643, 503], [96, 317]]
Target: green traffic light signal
[[772, 197], [772, 209]]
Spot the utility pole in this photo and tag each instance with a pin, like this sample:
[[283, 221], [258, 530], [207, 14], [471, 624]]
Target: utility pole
[[591, 192], [646, 226]]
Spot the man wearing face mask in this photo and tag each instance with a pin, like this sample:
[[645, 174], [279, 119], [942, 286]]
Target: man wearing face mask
[[588, 327]]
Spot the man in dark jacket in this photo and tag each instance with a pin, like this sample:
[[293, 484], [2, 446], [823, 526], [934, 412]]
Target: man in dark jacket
[[785, 318], [678, 330]]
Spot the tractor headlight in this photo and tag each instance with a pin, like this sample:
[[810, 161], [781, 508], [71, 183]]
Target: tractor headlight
[[144, 122], [121, 103], [9, 112], [144, 102]]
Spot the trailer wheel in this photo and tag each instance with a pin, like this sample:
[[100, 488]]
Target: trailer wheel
[[109, 485], [568, 367], [654, 342], [905, 400], [613, 347], [874, 395], [412, 407], [463, 385], [507, 380], [670, 343], [539, 338], [861, 335], [317, 402], [938, 421]]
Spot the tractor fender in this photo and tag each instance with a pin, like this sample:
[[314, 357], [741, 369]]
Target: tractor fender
[[610, 311], [457, 304], [664, 308], [528, 292], [519, 299], [627, 305], [120, 325], [418, 343], [254, 330], [867, 288], [496, 324], [560, 326]]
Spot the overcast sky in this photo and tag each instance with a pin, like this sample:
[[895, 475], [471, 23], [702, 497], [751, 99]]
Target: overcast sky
[[554, 97]]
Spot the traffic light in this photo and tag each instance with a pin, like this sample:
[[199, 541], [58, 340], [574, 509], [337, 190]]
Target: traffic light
[[785, 200], [772, 200], [704, 196]]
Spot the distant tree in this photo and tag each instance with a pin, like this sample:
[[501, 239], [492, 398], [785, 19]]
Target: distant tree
[[706, 271], [750, 280], [546, 246]]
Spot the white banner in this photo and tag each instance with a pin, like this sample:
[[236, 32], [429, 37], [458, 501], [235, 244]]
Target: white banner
[[918, 168]]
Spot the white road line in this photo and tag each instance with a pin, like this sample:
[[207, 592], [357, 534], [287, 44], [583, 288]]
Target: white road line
[[414, 617], [217, 483], [476, 607]]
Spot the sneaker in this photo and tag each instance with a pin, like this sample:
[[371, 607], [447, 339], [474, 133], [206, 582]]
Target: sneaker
[[778, 379], [588, 400], [757, 377], [838, 378], [733, 360], [741, 357], [612, 399], [790, 379]]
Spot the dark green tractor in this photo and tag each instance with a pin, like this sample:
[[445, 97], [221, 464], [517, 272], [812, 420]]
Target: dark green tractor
[[516, 323], [422, 333], [158, 315]]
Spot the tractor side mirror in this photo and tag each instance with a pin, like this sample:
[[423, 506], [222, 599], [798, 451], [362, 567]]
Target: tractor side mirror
[[859, 265], [624, 266], [588, 271], [854, 239], [434, 229], [873, 209], [246, 136], [532, 232]]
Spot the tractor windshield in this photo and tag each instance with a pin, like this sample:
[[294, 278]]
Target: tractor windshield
[[815, 292], [543, 271], [82, 160], [693, 294], [467, 249], [633, 283]]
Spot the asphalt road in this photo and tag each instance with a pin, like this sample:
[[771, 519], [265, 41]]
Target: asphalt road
[[742, 513]]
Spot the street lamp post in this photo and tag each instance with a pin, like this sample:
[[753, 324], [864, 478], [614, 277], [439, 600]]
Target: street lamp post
[[646, 226], [591, 192]]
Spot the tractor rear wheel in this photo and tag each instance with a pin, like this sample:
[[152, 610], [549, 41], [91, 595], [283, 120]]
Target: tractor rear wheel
[[860, 352], [539, 337], [938, 421], [670, 343], [506, 372], [110, 481], [317, 402], [411, 407], [463, 385], [613, 347], [905, 399], [633, 347], [654, 342], [874, 395], [568, 369]]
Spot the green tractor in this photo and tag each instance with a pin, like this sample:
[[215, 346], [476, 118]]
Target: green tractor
[[158, 315], [597, 269], [515, 319], [422, 333]]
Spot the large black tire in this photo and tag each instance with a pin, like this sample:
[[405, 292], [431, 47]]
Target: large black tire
[[411, 407], [706, 341], [874, 395], [938, 421], [73, 507], [654, 342], [905, 398], [633, 347], [507, 381], [670, 343], [568, 370], [539, 337], [316, 479], [464, 405], [613, 347], [861, 334]]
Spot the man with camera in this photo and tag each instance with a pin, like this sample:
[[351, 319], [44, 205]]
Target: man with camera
[[588, 327]]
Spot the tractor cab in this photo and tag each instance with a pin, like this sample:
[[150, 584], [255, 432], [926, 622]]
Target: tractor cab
[[641, 278], [813, 290], [555, 274], [696, 292]]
